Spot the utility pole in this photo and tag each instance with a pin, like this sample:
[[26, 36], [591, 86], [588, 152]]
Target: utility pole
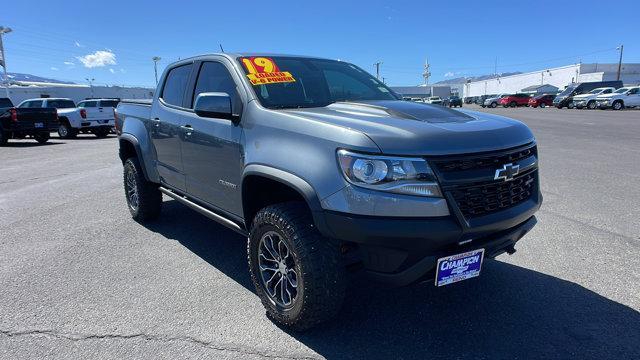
[[155, 65], [426, 74], [621, 48], [3, 59], [90, 80], [495, 67], [377, 65]]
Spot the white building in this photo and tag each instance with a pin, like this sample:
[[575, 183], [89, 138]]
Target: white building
[[559, 77], [19, 91]]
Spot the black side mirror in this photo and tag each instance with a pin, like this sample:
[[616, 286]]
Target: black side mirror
[[214, 105]]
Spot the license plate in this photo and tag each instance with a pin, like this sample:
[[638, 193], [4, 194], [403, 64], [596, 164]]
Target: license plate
[[459, 267], [39, 125]]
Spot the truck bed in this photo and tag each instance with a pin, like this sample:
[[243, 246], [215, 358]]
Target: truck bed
[[29, 120]]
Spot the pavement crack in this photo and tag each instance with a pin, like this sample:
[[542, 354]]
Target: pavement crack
[[148, 337]]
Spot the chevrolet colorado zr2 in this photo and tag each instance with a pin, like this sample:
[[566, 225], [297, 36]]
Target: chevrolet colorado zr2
[[326, 170]]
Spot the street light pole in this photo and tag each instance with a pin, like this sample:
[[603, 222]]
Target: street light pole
[[90, 85], [621, 48], [155, 66], [377, 65], [3, 59]]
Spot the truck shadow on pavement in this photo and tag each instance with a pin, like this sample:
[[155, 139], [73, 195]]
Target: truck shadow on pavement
[[509, 312]]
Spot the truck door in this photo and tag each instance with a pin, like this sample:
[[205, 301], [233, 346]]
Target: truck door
[[211, 152], [166, 126], [633, 97]]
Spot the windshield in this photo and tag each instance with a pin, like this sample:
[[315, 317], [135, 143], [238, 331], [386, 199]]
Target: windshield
[[567, 91], [292, 82], [621, 90], [596, 91]]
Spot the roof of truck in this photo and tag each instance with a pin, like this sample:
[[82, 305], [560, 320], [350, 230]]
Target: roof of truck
[[252, 54]]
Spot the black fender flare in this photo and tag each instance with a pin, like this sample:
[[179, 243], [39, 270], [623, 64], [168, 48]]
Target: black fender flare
[[136, 145], [300, 185]]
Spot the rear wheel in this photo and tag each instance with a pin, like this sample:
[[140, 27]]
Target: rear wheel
[[144, 199], [494, 104], [617, 105], [3, 138], [513, 104], [42, 137], [297, 273], [570, 105], [542, 105], [65, 131]]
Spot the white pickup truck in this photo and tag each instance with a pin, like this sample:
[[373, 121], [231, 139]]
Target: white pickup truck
[[101, 113], [73, 119], [621, 98], [588, 100]]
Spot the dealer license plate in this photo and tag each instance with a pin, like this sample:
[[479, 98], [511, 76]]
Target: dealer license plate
[[39, 125], [459, 267]]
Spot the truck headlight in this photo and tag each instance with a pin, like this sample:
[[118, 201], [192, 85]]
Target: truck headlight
[[400, 175]]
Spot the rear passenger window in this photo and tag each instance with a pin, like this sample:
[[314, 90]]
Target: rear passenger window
[[109, 103], [176, 84], [214, 77], [89, 104]]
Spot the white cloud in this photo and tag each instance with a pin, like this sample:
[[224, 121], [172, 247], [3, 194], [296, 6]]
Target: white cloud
[[78, 44], [449, 74], [123, 71], [69, 63], [99, 58], [112, 71], [54, 68]]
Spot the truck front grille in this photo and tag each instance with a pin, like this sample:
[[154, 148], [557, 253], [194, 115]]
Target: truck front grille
[[469, 180], [479, 200]]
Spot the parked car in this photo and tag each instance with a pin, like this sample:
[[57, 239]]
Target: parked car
[[452, 101], [541, 100], [18, 123], [565, 98], [619, 99], [434, 100], [515, 100], [469, 100], [493, 101], [588, 100], [324, 181], [102, 112]]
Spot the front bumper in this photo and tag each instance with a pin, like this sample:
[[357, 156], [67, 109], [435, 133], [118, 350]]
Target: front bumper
[[400, 251], [603, 103]]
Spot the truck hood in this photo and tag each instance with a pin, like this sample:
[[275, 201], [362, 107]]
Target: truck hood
[[606, 96], [584, 96], [409, 128]]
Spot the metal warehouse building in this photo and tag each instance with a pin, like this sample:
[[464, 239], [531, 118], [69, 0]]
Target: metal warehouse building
[[21, 90], [558, 77]]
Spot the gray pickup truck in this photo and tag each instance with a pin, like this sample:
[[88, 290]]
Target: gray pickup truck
[[326, 171]]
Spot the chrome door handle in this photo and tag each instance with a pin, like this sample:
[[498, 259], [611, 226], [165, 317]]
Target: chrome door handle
[[155, 122], [188, 130]]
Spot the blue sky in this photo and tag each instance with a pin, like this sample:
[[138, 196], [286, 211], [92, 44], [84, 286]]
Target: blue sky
[[114, 41]]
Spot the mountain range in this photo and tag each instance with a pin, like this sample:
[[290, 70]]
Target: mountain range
[[462, 80], [28, 77]]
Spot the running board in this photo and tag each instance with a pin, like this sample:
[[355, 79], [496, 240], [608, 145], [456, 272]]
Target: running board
[[204, 211]]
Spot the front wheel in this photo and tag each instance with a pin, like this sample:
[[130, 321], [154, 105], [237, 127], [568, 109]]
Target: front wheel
[[494, 105], [298, 274], [144, 199], [591, 105], [618, 105], [570, 105], [542, 105], [42, 137]]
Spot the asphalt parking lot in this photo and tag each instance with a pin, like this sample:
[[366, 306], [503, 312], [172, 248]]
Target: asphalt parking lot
[[80, 279]]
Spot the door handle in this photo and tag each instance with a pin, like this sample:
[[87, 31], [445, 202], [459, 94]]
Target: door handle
[[155, 122], [188, 130]]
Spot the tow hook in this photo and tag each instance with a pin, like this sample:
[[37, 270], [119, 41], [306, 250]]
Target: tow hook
[[511, 250]]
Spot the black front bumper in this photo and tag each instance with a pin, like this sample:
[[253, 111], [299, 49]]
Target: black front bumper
[[400, 251]]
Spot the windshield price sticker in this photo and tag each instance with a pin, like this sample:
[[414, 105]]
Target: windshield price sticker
[[262, 70]]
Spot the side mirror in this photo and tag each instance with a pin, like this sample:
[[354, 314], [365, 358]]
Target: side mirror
[[214, 105]]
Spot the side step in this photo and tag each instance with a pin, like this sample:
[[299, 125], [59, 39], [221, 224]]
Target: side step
[[204, 211]]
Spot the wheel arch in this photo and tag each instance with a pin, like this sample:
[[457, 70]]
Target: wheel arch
[[262, 185], [130, 147]]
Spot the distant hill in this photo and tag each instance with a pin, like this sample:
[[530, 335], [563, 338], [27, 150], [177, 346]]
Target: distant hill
[[34, 78], [462, 80]]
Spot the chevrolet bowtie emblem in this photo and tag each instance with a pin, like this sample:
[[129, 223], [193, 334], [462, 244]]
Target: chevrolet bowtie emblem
[[507, 173]]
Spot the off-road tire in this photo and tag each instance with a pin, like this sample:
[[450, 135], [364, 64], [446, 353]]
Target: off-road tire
[[149, 197], [42, 137], [321, 283]]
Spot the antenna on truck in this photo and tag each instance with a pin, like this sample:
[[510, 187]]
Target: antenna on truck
[[221, 49]]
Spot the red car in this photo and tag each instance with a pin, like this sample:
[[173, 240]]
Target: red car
[[515, 100], [541, 100]]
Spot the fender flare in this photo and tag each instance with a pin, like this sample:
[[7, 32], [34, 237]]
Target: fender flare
[[295, 182], [136, 145]]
